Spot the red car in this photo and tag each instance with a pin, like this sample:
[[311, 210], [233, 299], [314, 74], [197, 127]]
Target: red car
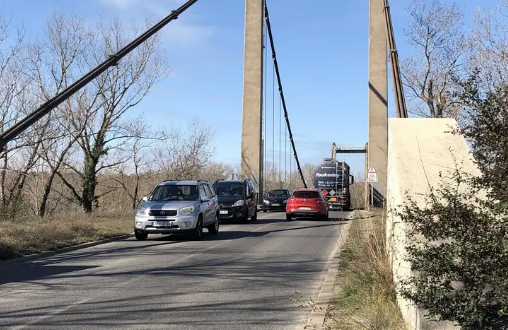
[[305, 203]]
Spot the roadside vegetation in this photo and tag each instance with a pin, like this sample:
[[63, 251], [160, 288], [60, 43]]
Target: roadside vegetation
[[457, 238], [365, 297], [29, 236]]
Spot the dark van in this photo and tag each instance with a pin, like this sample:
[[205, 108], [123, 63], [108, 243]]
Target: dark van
[[237, 200]]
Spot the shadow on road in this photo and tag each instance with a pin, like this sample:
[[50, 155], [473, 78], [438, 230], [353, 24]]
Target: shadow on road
[[32, 271]]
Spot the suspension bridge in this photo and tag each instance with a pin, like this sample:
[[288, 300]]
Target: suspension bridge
[[398, 149], [259, 41]]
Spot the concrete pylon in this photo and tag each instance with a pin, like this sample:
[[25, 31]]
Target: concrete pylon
[[252, 120], [377, 152]]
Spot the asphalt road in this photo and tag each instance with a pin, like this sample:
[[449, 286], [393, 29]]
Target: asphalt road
[[245, 278]]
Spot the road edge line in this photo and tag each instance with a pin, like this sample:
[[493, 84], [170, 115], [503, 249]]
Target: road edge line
[[45, 254], [317, 316]]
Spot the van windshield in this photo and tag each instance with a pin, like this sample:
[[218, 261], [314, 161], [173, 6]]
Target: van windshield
[[229, 190], [278, 193]]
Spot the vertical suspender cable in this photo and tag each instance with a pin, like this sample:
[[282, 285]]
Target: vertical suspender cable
[[285, 154], [290, 170], [273, 123], [274, 57], [265, 69], [280, 143]]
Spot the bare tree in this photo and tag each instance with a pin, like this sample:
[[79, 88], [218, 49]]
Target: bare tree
[[54, 63], [185, 154], [100, 106], [217, 170], [490, 44], [140, 154], [440, 49], [16, 100]]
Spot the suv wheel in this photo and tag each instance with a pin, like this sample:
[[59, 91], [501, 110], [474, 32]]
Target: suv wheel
[[288, 217], [214, 227], [140, 236], [198, 231]]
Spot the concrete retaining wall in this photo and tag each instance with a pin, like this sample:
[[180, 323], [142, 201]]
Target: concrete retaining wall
[[418, 150]]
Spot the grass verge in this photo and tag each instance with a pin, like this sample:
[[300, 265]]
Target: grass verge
[[29, 236], [365, 298]]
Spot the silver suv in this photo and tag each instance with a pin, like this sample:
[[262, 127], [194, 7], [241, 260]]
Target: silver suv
[[178, 207]]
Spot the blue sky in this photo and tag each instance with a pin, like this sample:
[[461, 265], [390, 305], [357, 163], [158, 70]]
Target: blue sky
[[322, 49]]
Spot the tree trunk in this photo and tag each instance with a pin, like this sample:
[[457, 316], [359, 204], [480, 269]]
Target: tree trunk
[[89, 183], [47, 191], [3, 182]]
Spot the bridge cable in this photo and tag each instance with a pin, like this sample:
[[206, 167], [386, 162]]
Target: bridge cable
[[285, 154], [280, 144], [265, 125], [398, 87], [274, 57], [18, 128], [290, 170], [273, 124]]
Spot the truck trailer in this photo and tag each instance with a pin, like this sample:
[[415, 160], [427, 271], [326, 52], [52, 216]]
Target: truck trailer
[[333, 178]]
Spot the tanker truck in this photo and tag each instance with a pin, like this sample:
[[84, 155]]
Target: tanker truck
[[333, 178]]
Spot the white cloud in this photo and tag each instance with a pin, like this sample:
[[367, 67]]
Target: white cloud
[[185, 32]]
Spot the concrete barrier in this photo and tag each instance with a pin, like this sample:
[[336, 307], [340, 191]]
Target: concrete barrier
[[418, 150]]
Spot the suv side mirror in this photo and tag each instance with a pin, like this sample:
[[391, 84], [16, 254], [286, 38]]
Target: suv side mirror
[[205, 199], [352, 179], [144, 199]]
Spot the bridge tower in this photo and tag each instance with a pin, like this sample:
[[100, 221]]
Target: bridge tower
[[252, 121], [377, 152]]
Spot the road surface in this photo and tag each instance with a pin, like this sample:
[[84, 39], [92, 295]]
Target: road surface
[[245, 278]]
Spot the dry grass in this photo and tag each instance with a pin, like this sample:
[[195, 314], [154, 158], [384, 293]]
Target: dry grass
[[366, 297], [357, 191], [29, 236]]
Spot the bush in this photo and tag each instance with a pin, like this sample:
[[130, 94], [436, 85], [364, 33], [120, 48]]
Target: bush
[[458, 246], [459, 254]]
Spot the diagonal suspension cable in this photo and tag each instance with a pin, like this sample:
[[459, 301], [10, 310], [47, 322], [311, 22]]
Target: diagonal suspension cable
[[112, 60], [274, 58]]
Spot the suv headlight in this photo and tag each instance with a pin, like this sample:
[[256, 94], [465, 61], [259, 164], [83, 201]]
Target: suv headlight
[[239, 203], [285, 201], [142, 211], [187, 210], [266, 201]]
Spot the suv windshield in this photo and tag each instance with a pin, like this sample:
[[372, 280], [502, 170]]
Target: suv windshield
[[229, 190], [278, 193], [175, 193], [306, 194]]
